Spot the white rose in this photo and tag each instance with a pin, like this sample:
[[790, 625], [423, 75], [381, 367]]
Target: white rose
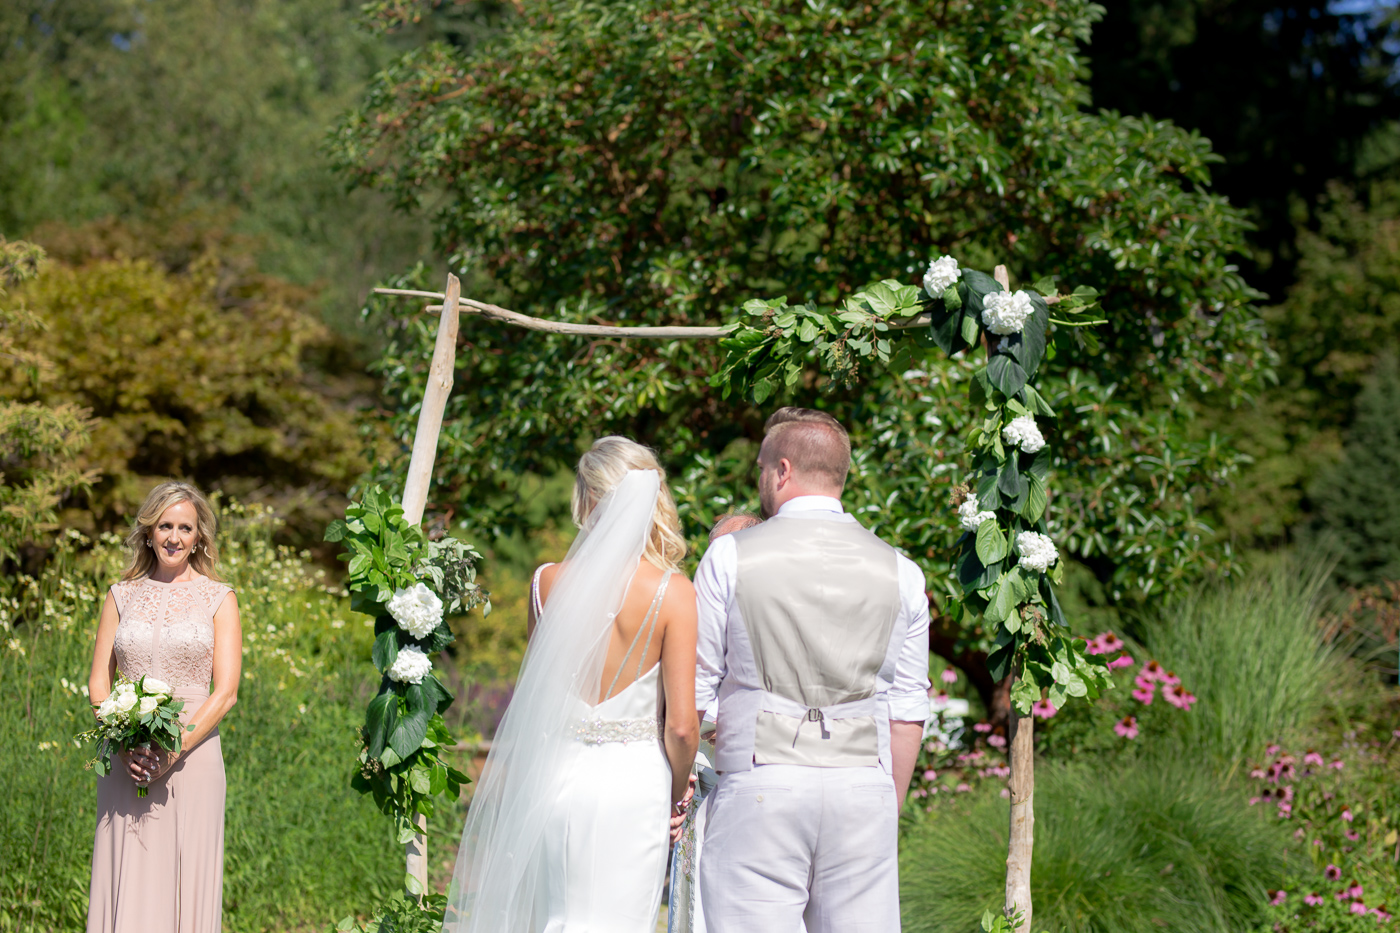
[[417, 610], [154, 686], [970, 517], [1037, 550], [148, 704], [1022, 432], [125, 689], [941, 273], [411, 666], [124, 701], [1006, 312], [107, 710]]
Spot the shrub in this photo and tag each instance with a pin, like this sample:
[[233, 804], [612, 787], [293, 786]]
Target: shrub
[[301, 848], [1119, 851]]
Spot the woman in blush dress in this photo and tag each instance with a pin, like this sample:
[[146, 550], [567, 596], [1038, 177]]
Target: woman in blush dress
[[569, 827], [158, 861]]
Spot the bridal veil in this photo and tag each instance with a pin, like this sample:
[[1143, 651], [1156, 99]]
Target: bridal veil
[[497, 878]]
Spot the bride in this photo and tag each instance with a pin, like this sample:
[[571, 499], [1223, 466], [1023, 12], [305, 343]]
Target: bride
[[568, 828]]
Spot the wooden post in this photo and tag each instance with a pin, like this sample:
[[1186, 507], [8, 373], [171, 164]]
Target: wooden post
[[415, 494], [1021, 838]]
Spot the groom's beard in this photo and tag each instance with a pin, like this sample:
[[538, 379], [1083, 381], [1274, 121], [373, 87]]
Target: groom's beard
[[766, 495]]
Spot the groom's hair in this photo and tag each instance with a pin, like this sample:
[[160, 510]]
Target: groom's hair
[[812, 441]]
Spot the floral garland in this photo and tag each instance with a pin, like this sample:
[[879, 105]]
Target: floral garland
[[408, 585], [1006, 563]]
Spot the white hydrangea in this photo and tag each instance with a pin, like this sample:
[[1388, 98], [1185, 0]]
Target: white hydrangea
[[970, 517], [417, 609], [1022, 432], [941, 273], [411, 666], [1006, 312], [1037, 550]]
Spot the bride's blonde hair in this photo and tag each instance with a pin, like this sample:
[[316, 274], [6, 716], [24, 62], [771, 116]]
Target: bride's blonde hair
[[602, 468]]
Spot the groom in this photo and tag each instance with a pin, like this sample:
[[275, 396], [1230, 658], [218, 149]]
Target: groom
[[813, 635]]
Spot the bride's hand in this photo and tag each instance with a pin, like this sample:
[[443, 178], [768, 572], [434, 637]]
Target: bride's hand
[[679, 810]]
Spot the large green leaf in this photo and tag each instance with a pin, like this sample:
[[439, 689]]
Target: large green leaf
[[991, 543], [409, 733], [380, 719], [1009, 479], [1006, 374], [386, 649], [1032, 348], [980, 283], [1034, 506]]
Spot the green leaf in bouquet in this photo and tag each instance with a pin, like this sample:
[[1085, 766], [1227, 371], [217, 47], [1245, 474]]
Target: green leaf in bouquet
[[421, 780], [438, 779], [409, 732], [991, 543], [1024, 693], [1006, 374], [386, 649], [380, 719]]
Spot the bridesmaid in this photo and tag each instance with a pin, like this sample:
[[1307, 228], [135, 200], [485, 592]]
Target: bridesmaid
[[158, 861]]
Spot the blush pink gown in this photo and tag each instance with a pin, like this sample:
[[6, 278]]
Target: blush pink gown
[[158, 861]]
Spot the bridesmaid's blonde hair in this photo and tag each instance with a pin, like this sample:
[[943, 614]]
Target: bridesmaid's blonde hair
[[602, 468], [205, 554]]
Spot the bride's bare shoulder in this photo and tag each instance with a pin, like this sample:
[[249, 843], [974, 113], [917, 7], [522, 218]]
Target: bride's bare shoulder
[[547, 574]]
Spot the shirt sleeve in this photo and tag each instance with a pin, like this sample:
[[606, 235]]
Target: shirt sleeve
[[714, 589], [908, 697]]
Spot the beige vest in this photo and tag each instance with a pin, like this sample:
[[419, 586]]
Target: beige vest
[[819, 597]]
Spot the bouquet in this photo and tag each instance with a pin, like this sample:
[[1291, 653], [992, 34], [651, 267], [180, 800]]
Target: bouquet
[[137, 714]]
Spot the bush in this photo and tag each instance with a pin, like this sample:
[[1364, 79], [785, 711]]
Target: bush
[[1119, 851], [301, 848]]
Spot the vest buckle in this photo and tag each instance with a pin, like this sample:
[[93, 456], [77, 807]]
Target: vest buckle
[[815, 715]]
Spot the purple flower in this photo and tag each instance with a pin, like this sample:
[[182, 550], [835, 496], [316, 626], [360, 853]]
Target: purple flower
[[1338, 764], [949, 676], [1152, 671], [982, 727], [1312, 900], [963, 788], [1177, 696], [1145, 695], [1170, 680], [1272, 750], [1357, 907], [1351, 835], [1277, 897], [1313, 758], [1127, 727], [930, 774], [1285, 810], [1347, 815], [1123, 660], [1109, 643], [1043, 708], [996, 741], [1332, 872], [1355, 892]]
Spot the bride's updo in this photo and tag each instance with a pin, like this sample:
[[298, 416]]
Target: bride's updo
[[602, 468]]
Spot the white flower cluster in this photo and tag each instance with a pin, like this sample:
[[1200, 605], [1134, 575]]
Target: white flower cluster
[[417, 609], [411, 666], [123, 700], [941, 273], [1022, 432], [1006, 312], [1037, 550], [970, 517]]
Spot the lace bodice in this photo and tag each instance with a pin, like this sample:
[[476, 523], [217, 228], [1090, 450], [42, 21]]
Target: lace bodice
[[166, 630]]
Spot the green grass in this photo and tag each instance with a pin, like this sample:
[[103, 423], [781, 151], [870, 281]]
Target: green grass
[[302, 849], [1253, 653], [1131, 850]]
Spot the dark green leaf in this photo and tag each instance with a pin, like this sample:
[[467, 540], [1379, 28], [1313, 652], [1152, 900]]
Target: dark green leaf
[[980, 283], [386, 649], [1006, 374], [1009, 479], [991, 543], [1033, 336], [380, 719]]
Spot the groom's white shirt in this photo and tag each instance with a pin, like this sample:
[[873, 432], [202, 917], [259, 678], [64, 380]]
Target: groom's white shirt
[[722, 645]]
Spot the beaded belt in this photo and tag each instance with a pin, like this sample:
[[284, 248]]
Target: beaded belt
[[605, 731]]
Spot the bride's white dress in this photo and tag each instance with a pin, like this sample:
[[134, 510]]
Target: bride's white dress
[[607, 835]]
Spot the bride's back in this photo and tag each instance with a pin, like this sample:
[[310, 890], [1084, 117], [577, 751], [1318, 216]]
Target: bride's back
[[632, 651]]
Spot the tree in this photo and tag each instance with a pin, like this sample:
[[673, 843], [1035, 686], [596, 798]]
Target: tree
[[1356, 500], [197, 370], [1287, 93], [662, 163]]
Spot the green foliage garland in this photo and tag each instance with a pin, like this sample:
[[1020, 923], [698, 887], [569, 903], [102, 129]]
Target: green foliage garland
[[1015, 600], [401, 762]]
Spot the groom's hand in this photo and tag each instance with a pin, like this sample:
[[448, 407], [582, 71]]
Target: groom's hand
[[679, 811]]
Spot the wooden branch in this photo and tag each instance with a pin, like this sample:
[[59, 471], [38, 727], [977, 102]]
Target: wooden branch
[[1021, 842], [506, 316], [420, 467]]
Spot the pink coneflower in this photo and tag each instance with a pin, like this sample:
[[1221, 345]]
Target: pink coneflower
[[1109, 643], [1356, 892], [1380, 914], [982, 727], [930, 774], [1312, 900], [949, 676], [1351, 835], [1277, 897], [1043, 708], [1332, 872], [1152, 671], [1347, 815], [1313, 758], [1299, 833], [1272, 750], [1178, 697], [1127, 727], [1254, 800], [1338, 764], [1144, 695], [963, 788], [1169, 679], [1285, 810], [1143, 682], [1357, 907], [1005, 792], [1257, 774], [1094, 646], [996, 741], [1319, 843], [1123, 660]]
